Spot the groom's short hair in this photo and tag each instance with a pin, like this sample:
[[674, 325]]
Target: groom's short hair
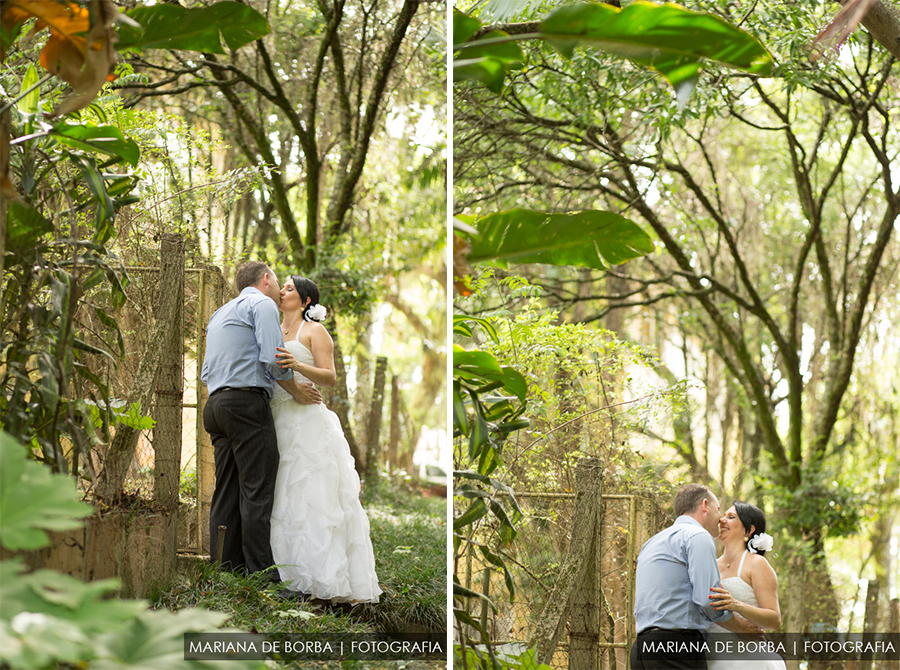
[[689, 497], [250, 274]]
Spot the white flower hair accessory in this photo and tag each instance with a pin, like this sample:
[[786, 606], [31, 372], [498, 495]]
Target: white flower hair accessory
[[315, 313], [761, 542]]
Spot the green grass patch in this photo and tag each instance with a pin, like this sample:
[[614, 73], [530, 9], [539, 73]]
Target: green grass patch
[[409, 537]]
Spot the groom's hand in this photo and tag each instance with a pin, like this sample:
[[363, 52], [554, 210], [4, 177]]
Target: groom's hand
[[743, 627], [307, 394]]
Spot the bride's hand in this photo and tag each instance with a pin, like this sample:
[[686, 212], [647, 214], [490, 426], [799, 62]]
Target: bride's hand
[[286, 359], [721, 599]]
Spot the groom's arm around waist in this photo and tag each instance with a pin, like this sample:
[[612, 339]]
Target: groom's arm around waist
[[703, 573]]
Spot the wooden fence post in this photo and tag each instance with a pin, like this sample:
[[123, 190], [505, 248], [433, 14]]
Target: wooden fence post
[[170, 381], [580, 560], [374, 422], [212, 295]]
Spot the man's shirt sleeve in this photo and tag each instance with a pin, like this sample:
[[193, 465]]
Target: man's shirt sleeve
[[703, 571], [268, 336]]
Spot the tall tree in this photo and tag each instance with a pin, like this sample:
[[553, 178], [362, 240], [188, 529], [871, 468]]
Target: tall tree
[[307, 101], [774, 200]]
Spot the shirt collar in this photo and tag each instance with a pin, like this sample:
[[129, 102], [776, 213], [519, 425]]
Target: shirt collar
[[252, 288], [684, 518]]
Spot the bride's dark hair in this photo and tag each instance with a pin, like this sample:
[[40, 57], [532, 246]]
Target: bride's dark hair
[[306, 288], [751, 515]]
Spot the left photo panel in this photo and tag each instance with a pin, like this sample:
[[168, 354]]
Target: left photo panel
[[223, 334]]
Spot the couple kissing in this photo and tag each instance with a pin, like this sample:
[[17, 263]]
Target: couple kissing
[[287, 491]]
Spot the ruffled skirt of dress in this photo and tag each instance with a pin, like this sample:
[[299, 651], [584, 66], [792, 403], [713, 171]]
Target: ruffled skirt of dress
[[320, 532]]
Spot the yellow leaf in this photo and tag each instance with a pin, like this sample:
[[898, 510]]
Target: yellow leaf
[[66, 53]]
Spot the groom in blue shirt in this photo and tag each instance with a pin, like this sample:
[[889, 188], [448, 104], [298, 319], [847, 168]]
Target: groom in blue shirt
[[240, 370], [675, 571]]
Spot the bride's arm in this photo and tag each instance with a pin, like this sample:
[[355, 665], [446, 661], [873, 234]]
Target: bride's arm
[[322, 347], [765, 587]]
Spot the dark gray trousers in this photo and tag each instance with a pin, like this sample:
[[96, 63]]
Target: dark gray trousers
[[246, 451]]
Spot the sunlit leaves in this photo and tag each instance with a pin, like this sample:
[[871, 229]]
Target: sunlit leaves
[[486, 60], [108, 140], [666, 37], [169, 26], [80, 47]]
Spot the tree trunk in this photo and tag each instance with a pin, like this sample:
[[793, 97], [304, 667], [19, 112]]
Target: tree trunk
[[883, 22], [394, 443], [121, 451], [212, 296], [170, 379], [362, 400], [340, 405], [585, 522], [374, 428]]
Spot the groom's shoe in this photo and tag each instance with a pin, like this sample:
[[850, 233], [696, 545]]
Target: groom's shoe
[[287, 594]]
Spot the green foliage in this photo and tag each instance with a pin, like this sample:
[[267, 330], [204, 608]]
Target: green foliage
[[478, 657], [187, 485], [489, 59], [668, 38], [166, 26], [665, 37], [488, 401], [73, 179], [32, 499], [587, 239], [48, 619], [823, 502]]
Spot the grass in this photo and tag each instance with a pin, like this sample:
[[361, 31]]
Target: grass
[[409, 539]]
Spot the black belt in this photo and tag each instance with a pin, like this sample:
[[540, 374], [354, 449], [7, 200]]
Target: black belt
[[246, 389], [650, 629]]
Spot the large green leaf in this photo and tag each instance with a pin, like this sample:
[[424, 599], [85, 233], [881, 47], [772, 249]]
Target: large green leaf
[[108, 140], [478, 368], [665, 37], [591, 239], [28, 106], [486, 60], [155, 639], [25, 225], [464, 26], [32, 498], [462, 325], [93, 178], [169, 26]]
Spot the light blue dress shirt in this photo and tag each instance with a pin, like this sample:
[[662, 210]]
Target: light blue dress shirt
[[675, 571], [241, 341]]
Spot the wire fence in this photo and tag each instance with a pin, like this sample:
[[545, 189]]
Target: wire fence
[[535, 560]]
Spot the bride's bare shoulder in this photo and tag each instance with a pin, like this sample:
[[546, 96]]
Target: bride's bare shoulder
[[759, 564]]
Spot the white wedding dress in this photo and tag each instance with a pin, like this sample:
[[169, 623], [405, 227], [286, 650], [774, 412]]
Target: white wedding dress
[[320, 532], [739, 590]]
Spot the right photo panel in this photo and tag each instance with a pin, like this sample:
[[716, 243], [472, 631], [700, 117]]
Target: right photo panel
[[676, 371]]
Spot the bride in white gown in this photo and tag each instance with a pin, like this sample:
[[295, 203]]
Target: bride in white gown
[[320, 532], [749, 584]]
